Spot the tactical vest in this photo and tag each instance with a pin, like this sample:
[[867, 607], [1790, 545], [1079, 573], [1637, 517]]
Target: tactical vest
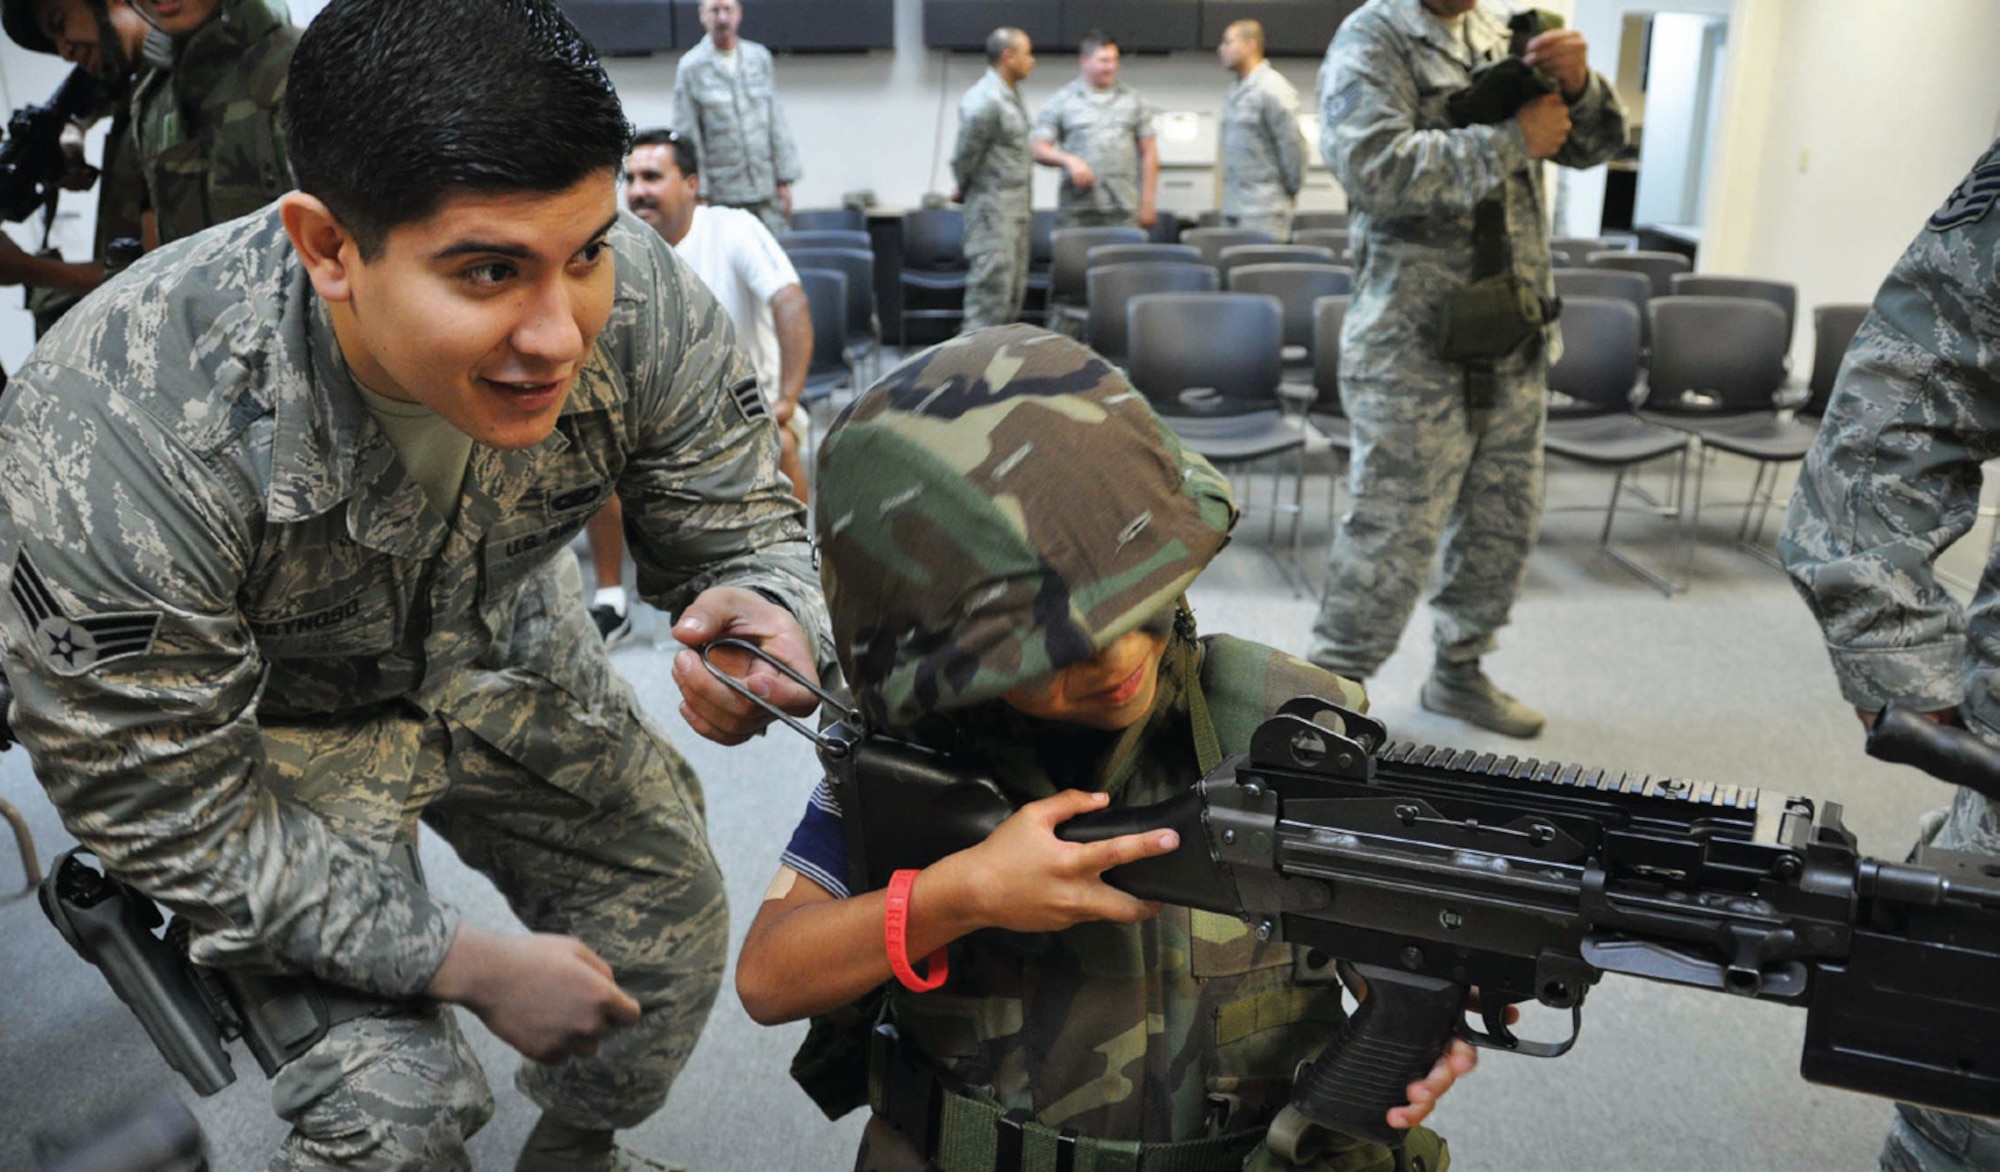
[[1178, 1029]]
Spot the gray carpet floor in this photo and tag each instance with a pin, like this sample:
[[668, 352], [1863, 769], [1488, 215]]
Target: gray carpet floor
[[1727, 682]]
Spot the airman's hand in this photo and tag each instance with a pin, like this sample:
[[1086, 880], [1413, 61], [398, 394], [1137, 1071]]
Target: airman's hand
[[711, 707], [1545, 122], [1563, 55]]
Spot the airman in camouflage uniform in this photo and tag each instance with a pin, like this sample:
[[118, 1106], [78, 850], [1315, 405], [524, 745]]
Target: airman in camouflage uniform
[[1893, 480], [206, 129], [252, 646], [1109, 129], [1263, 154], [993, 167], [741, 139], [963, 562], [1423, 462]]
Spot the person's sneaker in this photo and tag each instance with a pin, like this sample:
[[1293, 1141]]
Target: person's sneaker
[[1468, 695], [615, 627]]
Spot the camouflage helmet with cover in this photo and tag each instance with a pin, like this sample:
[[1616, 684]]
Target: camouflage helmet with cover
[[996, 509]]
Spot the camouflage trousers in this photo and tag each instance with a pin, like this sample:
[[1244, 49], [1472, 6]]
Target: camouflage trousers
[[885, 1149], [1074, 217], [615, 855], [767, 211], [1921, 1139], [1423, 470], [996, 242], [1278, 223]]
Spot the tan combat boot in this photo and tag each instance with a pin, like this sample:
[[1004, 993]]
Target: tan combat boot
[[554, 1146], [1463, 691]]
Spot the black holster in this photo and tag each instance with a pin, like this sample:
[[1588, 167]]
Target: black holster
[[1495, 314]]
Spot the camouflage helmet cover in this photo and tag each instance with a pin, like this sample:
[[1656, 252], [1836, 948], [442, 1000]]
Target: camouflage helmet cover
[[998, 508]]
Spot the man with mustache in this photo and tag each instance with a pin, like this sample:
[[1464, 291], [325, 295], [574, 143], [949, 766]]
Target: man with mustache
[[286, 513]]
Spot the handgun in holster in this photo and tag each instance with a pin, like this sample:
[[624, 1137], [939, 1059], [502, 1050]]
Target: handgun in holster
[[1496, 313], [1500, 88], [190, 1010]]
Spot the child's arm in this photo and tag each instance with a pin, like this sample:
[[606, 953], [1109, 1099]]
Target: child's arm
[[808, 951]]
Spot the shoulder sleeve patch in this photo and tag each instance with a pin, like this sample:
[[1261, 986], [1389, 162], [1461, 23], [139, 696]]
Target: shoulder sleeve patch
[[750, 400], [72, 646], [1972, 198]]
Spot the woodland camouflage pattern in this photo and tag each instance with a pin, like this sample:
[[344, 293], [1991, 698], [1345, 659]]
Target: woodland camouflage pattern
[[971, 542], [1106, 135], [247, 654], [206, 130], [1892, 480], [992, 165], [1421, 465]]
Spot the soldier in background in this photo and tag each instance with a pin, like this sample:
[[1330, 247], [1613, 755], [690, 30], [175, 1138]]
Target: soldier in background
[[1083, 686], [287, 512], [993, 167], [1263, 152], [1100, 132], [206, 128], [1442, 444], [726, 98], [1892, 481], [108, 38]]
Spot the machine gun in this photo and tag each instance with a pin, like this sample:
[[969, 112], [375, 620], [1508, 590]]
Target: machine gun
[[1436, 871], [31, 159], [1504, 86]]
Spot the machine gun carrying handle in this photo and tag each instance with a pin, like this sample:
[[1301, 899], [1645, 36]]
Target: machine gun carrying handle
[[1391, 1041], [832, 702], [1903, 737]]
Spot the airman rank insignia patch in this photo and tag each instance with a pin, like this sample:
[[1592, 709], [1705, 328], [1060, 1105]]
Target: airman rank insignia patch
[[750, 400], [72, 646], [1973, 198]]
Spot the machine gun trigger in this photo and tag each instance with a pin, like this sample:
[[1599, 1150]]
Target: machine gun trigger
[[1493, 1015], [832, 702]]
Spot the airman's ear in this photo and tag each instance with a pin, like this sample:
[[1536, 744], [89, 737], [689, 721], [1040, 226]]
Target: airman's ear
[[325, 246]]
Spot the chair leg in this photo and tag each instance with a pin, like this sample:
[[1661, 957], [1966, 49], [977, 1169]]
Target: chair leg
[[1611, 510]]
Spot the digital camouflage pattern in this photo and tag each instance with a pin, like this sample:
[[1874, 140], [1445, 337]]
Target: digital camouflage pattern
[[1263, 153], [1892, 480], [958, 556], [971, 542], [247, 654], [1422, 465], [206, 130], [993, 167], [1104, 130], [740, 134]]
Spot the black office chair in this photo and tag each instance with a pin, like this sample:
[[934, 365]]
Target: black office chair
[[1335, 240], [1316, 222], [823, 238], [934, 267], [1598, 371], [1574, 251], [1782, 294], [820, 219], [1211, 241], [863, 329], [1299, 288], [1035, 304], [1271, 254], [1657, 267], [1633, 288], [830, 370], [1110, 289], [1325, 412], [1140, 254], [1070, 248], [1834, 327]]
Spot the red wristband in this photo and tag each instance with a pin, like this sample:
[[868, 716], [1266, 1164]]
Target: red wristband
[[896, 935]]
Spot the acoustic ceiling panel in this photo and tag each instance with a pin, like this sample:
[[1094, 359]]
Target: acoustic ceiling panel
[[1141, 26], [965, 24], [623, 28], [802, 26], [1292, 28]]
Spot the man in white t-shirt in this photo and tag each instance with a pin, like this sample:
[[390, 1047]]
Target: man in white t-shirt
[[741, 263]]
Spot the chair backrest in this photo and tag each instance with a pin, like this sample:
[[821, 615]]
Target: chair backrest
[[1142, 254], [1112, 287], [859, 269], [1632, 287], [1730, 351], [1316, 222], [1833, 333], [1272, 254], [1166, 228], [1658, 267], [1041, 245], [1298, 287], [1208, 219], [1574, 251], [1600, 359], [1782, 294], [1338, 240], [1212, 241], [823, 238], [820, 219], [934, 239], [1072, 258], [826, 299], [1329, 315], [1230, 345]]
